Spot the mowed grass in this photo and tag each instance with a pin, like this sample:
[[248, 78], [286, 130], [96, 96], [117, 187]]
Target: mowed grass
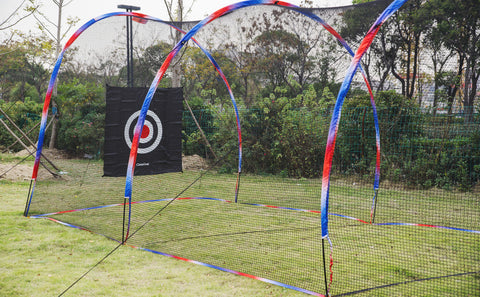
[[282, 245], [42, 258]]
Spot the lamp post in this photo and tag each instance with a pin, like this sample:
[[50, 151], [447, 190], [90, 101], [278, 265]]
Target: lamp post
[[129, 8]]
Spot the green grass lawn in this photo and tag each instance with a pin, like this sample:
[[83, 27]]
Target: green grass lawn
[[43, 258]]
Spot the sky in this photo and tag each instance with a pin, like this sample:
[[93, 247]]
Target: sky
[[88, 9]]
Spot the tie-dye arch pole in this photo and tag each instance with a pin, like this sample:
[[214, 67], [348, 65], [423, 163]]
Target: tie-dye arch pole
[[54, 75], [355, 64], [365, 44], [332, 133], [394, 6]]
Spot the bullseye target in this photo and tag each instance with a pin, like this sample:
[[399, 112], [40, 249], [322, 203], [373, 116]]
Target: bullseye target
[[152, 132], [160, 142]]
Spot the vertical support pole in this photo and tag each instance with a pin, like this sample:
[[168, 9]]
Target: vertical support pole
[[129, 78], [130, 56], [129, 24]]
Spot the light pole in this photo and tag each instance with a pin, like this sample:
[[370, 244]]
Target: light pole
[[129, 8]]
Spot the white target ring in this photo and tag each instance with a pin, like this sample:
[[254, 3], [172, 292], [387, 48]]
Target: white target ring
[[146, 136]]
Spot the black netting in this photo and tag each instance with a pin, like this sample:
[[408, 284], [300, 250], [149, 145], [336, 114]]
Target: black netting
[[423, 237]]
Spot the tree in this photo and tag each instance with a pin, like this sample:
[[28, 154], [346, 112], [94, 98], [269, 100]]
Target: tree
[[356, 23], [459, 24], [445, 83], [148, 64], [28, 54], [287, 45], [407, 40], [12, 59], [244, 62], [176, 15], [54, 29], [276, 55], [201, 80], [82, 124], [21, 12]]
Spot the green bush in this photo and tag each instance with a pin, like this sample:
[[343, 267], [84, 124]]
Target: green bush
[[398, 118], [287, 136], [448, 163], [84, 132], [82, 118], [193, 142], [280, 135]]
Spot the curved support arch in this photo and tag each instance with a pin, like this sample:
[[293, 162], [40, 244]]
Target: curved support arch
[[337, 111], [376, 182], [56, 68], [355, 64], [332, 134]]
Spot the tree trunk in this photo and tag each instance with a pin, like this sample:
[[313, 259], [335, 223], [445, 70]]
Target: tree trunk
[[435, 85], [453, 89], [53, 137], [177, 70], [471, 80]]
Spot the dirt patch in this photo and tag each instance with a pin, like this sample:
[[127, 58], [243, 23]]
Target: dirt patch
[[13, 171], [52, 154], [19, 172], [49, 153], [194, 162], [24, 153]]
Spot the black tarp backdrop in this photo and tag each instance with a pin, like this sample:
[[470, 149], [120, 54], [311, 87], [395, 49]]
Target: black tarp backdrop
[[160, 147]]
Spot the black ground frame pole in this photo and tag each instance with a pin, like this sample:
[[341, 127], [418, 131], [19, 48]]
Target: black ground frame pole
[[29, 196], [124, 215], [129, 8], [324, 267], [375, 206]]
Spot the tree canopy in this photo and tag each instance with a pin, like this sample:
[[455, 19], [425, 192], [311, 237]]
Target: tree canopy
[[426, 45]]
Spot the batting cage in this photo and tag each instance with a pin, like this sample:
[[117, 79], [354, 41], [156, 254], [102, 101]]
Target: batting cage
[[283, 191]]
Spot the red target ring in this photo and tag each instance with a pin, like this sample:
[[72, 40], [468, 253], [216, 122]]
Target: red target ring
[[145, 132], [152, 130]]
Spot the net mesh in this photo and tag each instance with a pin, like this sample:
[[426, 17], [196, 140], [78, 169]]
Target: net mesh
[[422, 240]]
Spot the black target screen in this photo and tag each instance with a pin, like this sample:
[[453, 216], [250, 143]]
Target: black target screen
[[160, 145]]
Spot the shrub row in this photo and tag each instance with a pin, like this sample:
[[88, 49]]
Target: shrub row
[[287, 136]]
